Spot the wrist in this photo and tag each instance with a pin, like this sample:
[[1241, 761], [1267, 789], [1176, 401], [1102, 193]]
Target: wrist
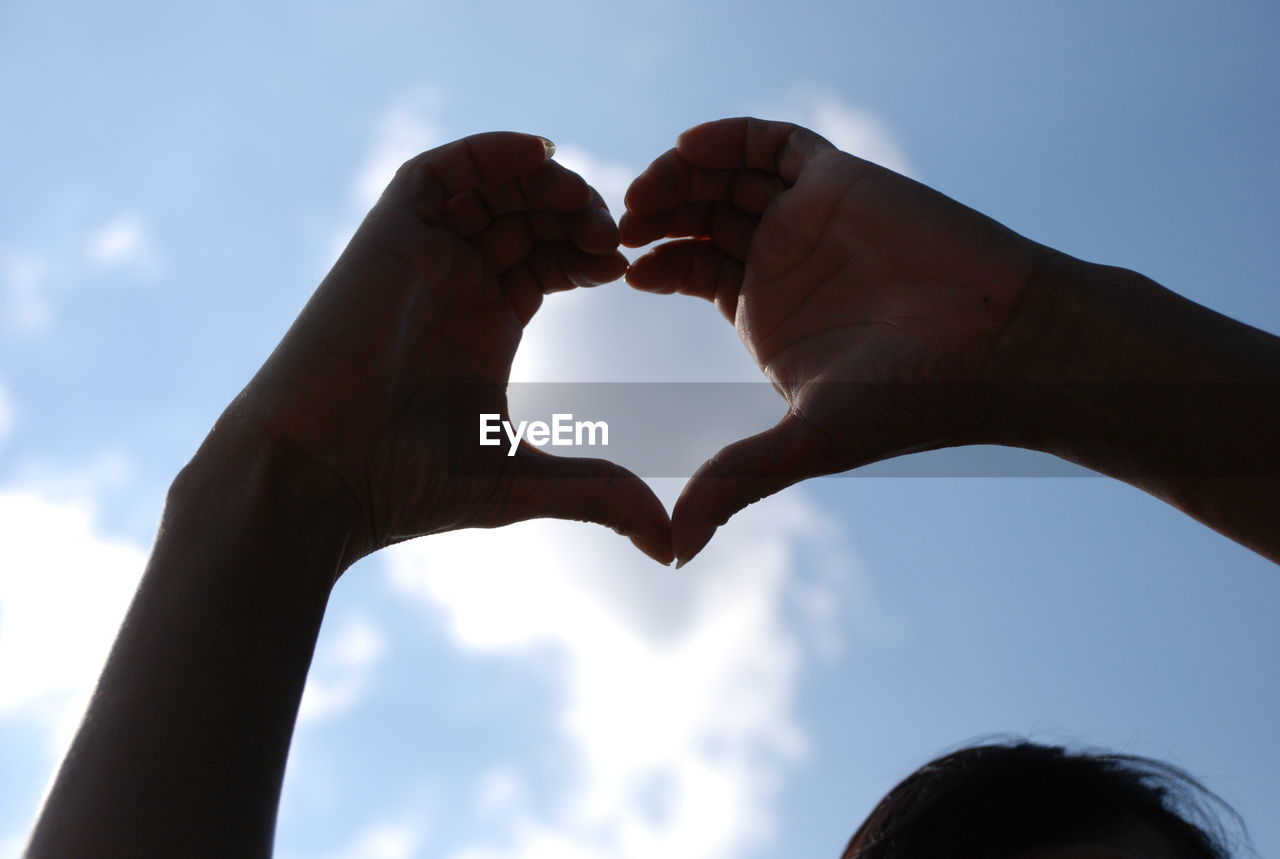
[[1082, 334], [251, 488], [1106, 368]]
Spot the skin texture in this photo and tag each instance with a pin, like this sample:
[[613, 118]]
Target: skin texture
[[892, 319]]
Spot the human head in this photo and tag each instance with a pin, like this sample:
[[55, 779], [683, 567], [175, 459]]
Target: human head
[[1023, 800]]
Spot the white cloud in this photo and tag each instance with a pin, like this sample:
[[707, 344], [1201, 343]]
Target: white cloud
[[122, 242], [26, 304], [384, 841], [679, 716], [502, 795], [405, 130], [81, 483], [28, 283], [7, 412], [64, 588], [610, 178], [393, 838], [851, 129], [13, 845], [343, 670], [399, 832]]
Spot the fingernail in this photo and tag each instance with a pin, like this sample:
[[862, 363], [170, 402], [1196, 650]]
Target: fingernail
[[548, 146], [662, 557], [691, 551]]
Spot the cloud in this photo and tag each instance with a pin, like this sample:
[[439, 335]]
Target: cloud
[[64, 588], [610, 178], [26, 284], [406, 129], [29, 281], [399, 832], [392, 839], [81, 484], [121, 243], [679, 716], [342, 671], [851, 129], [7, 412]]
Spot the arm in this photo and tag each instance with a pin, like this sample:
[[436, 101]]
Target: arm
[[893, 320], [1117, 373], [349, 438], [182, 751]]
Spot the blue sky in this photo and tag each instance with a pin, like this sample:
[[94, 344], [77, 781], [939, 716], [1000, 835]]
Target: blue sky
[[177, 178]]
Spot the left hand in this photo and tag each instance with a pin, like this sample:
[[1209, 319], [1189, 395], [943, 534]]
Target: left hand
[[434, 290]]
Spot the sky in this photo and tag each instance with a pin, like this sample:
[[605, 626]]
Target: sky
[[177, 178]]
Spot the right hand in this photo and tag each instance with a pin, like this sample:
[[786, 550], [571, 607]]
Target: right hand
[[872, 302]]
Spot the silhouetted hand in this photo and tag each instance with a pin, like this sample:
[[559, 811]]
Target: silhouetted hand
[[432, 293], [872, 302]]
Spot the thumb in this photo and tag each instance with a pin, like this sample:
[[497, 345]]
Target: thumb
[[743, 473], [541, 486]]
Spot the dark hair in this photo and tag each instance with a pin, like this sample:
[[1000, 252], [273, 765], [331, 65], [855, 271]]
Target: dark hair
[[995, 800]]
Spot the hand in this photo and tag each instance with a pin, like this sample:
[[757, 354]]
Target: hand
[[871, 302], [432, 293]]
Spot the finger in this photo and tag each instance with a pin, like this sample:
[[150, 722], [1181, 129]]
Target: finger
[[753, 144], [549, 188], [588, 490], [691, 267], [730, 228], [511, 238], [741, 474], [592, 227], [671, 180], [425, 182], [554, 268]]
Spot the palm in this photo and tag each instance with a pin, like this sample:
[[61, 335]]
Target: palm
[[869, 300], [412, 334]]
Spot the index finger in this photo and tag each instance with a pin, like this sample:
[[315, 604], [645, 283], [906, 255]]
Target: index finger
[[426, 181], [745, 142], [671, 180]]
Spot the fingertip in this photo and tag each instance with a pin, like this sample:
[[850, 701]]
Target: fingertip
[[691, 133], [629, 198], [651, 191], [548, 147], [587, 269], [657, 549], [615, 268], [634, 201], [647, 272], [637, 229], [692, 546], [624, 230], [693, 140], [593, 230]]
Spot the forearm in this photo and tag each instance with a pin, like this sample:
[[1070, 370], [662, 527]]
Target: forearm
[[1136, 382], [183, 748]]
